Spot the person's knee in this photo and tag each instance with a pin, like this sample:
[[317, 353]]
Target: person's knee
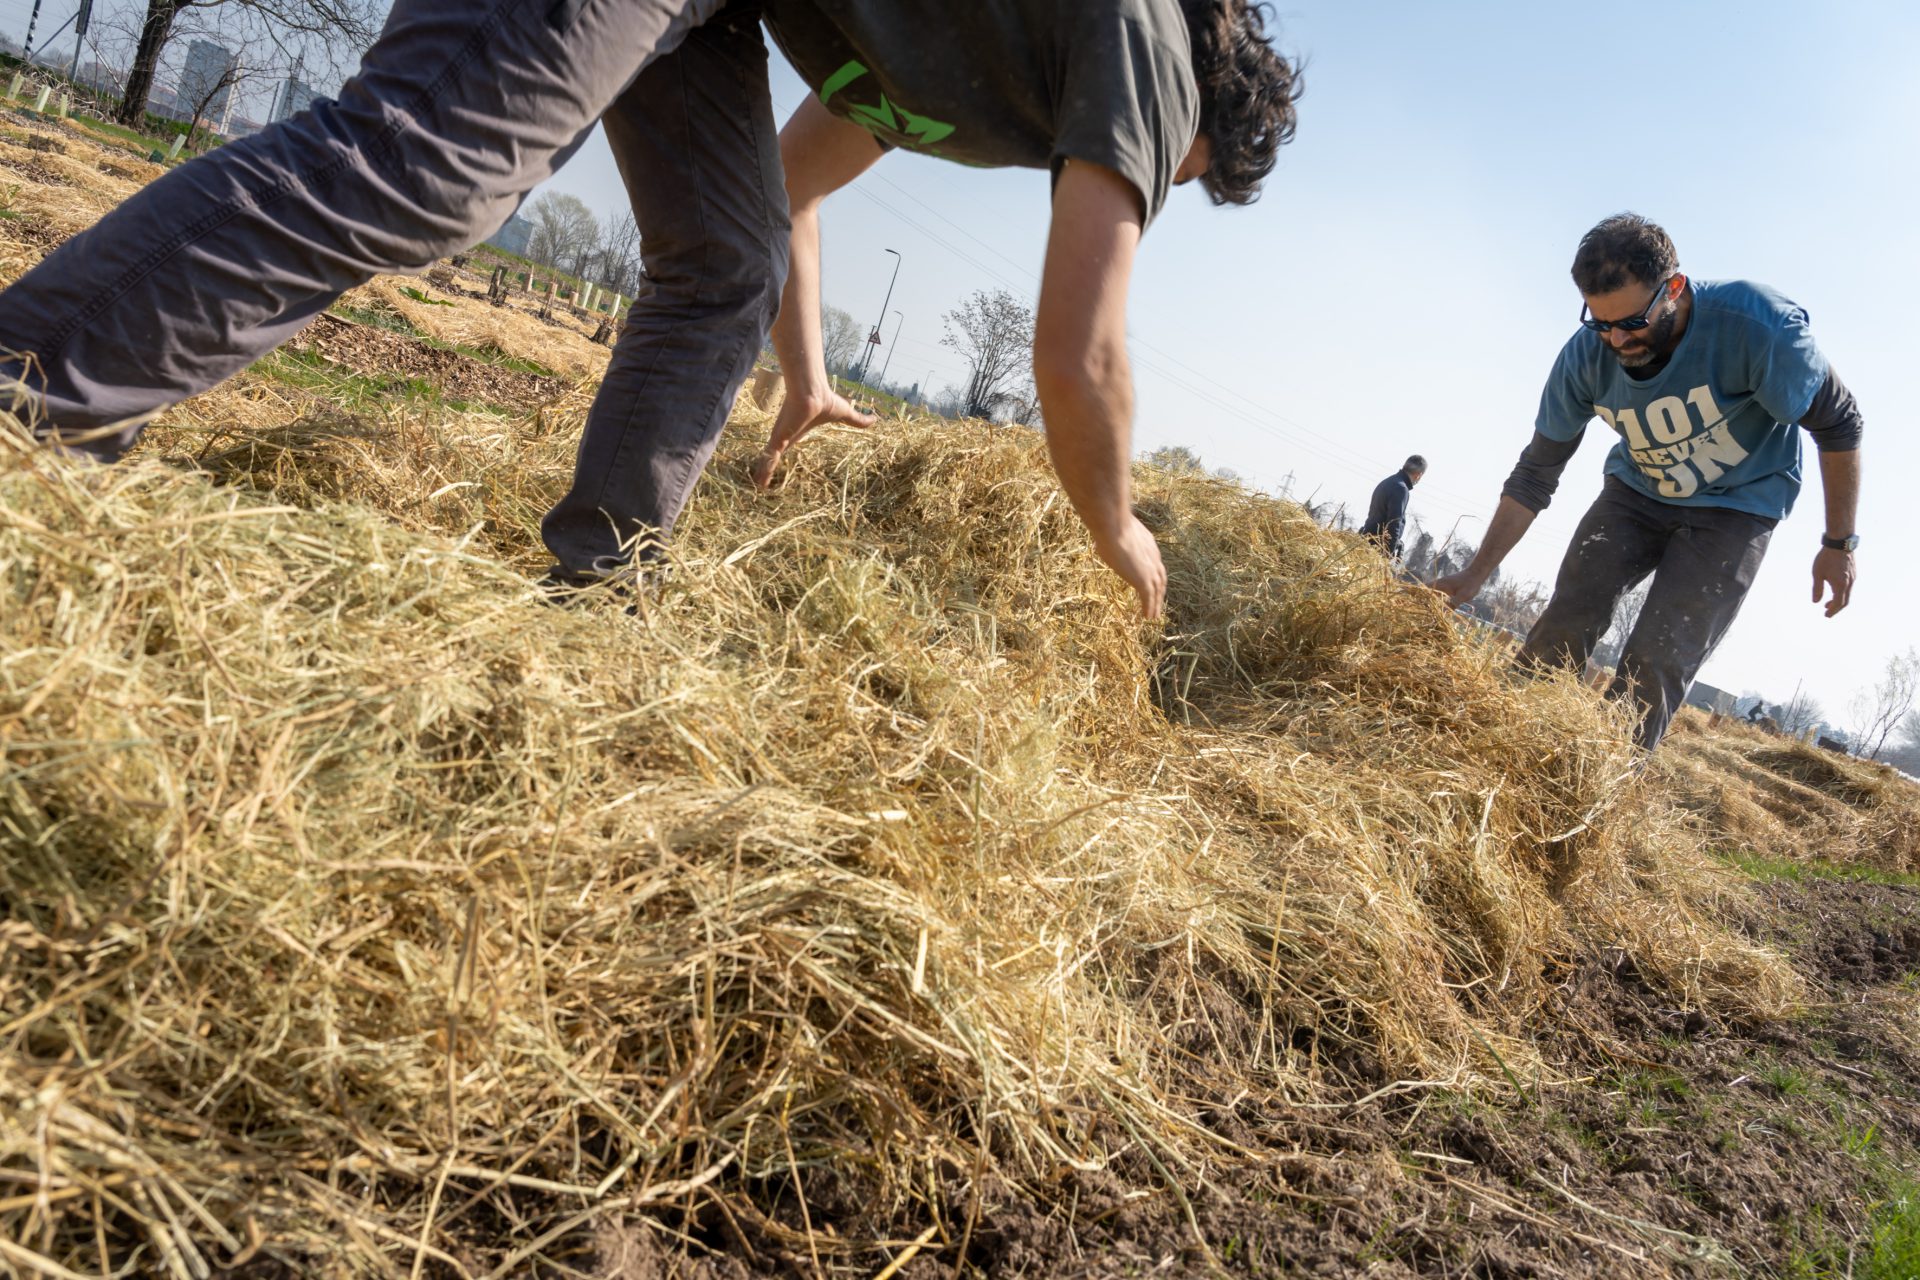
[[406, 198]]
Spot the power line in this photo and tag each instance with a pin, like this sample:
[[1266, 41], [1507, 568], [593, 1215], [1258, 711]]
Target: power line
[[1297, 435], [1362, 466]]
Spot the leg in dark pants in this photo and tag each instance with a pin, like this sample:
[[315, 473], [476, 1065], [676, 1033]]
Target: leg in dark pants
[[1703, 560], [1703, 578], [696, 143], [459, 109], [1619, 541]]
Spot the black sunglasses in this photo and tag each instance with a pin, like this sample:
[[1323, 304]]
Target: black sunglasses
[[1631, 325]]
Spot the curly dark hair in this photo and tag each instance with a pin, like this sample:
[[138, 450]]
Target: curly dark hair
[[1621, 249], [1247, 92]]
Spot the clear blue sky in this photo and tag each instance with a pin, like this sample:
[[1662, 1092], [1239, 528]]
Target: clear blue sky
[[1403, 285]]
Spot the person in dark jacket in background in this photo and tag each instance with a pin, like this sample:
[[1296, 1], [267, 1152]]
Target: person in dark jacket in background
[[1387, 513]]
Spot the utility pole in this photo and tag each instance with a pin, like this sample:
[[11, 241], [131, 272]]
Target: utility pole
[[32, 22], [873, 337], [886, 364], [79, 38]]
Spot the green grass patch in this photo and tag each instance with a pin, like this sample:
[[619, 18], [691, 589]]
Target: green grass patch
[[132, 139], [1656, 1084], [1889, 1250], [394, 322], [1860, 1143], [498, 359], [1784, 1080], [1894, 1246], [391, 321], [357, 393], [1758, 867]]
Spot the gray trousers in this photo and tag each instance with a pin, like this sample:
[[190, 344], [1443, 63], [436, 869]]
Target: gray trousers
[[458, 111], [1703, 560]]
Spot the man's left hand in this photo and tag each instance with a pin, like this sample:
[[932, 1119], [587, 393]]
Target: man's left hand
[[1833, 570]]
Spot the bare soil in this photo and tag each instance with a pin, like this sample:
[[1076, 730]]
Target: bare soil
[[34, 171], [1681, 1149], [35, 231], [399, 359]]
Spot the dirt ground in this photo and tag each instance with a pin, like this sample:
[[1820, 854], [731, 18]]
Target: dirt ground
[[376, 353], [1682, 1149]]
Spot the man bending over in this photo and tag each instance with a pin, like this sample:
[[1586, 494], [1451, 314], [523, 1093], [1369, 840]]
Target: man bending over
[[464, 106], [1707, 384]]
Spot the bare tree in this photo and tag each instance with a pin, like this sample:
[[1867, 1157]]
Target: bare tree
[[317, 31], [565, 232], [1883, 708], [1177, 458], [994, 331], [620, 255], [1906, 754], [840, 336], [1626, 615], [1514, 605], [1419, 560], [1799, 717]]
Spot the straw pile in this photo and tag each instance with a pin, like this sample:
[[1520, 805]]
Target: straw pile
[[360, 905], [362, 912], [1760, 793]]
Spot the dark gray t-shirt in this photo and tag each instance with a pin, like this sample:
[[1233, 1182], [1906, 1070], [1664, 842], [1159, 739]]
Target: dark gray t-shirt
[[1030, 83]]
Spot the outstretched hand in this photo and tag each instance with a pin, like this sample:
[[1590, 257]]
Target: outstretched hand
[[1131, 552], [798, 415], [1833, 571], [1459, 588]]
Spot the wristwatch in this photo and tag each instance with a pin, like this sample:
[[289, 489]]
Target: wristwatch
[[1847, 543]]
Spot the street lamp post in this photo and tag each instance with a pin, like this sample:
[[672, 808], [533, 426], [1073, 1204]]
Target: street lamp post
[[886, 364], [80, 21], [867, 358]]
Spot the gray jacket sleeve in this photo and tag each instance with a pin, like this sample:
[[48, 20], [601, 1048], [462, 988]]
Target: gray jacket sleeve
[[1537, 474], [1833, 419]]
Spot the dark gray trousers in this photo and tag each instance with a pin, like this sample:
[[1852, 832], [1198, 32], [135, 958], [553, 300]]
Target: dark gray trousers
[[1703, 560], [458, 111]]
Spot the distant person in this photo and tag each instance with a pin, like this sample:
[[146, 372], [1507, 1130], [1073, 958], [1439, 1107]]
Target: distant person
[[1707, 384], [460, 109], [1387, 512]]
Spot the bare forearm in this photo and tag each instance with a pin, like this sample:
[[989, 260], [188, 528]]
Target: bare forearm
[[796, 334], [821, 155], [1090, 439], [1840, 479], [1510, 523]]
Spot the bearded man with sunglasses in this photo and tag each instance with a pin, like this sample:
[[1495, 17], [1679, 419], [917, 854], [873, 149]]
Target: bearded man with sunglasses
[[1707, 384]]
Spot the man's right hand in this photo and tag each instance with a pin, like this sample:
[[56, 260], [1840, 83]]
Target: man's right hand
[[1459, 588], [800, 413], [1132, 553]]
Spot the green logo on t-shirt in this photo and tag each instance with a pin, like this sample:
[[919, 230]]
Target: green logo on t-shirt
[[888, 116]]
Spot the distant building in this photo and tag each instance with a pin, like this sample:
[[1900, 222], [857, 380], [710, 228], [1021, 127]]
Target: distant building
[[1708, 698], [292, 97], [514, 237], [207, 83]]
